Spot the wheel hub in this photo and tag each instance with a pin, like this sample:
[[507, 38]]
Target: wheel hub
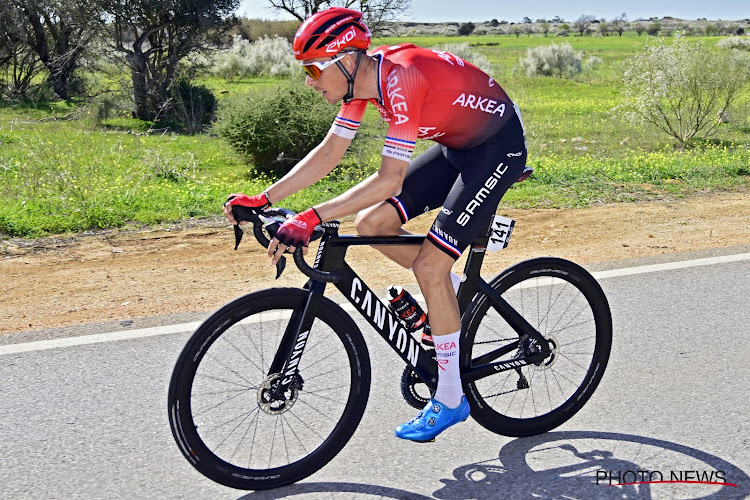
[[277, 406], [554, 353]]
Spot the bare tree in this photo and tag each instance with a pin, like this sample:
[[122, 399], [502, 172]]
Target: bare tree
[[619, 24], [379, 15], [153, 37], [583, 23]]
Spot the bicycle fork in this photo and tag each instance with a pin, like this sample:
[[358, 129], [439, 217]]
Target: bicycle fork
[[285, 365]]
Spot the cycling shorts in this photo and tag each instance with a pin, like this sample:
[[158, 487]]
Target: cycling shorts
[[468, 185]]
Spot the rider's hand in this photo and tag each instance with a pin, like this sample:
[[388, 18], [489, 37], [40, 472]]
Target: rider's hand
[[293, 233], [259, 201]]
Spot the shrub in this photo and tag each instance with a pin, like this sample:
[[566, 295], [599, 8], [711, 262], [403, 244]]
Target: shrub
[[654, 28], [681, 88], [593, 62], [552, 60], [465, 52], [270, 57], [466, 29], [192, 106], [734, 42], [277, 128]]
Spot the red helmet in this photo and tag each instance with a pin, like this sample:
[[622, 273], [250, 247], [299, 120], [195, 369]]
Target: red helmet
[[326, 33]]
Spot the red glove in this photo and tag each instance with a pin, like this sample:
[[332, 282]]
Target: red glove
[[258, 201], [297, 231]]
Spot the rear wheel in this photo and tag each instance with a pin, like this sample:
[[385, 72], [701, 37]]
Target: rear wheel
[[221, 409], [568, 307]]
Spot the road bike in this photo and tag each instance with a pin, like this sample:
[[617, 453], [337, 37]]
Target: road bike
[[273, 385]]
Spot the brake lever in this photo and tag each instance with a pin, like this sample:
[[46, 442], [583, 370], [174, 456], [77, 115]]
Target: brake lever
[[280, 265], [238, 233], [272, 226]]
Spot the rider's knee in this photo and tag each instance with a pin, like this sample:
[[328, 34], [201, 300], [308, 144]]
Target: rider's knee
[[376, 222], [426, 271], [363, 224]]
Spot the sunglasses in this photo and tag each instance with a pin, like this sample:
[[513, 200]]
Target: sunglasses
[[315, 69]]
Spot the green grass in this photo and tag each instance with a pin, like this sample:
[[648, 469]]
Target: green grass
[[60, 171]]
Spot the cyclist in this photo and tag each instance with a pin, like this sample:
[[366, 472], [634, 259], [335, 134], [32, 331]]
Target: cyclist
[[480, 151]]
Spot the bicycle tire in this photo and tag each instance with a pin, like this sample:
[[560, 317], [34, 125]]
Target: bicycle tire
[[567, 305], [219, 419]]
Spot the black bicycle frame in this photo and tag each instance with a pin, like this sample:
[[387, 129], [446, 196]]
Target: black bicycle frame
[[331, 258]]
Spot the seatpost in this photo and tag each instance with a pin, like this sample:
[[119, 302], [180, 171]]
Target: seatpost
[[473, 266]]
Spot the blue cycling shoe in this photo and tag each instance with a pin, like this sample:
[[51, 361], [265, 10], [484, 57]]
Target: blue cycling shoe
[[434, 418]]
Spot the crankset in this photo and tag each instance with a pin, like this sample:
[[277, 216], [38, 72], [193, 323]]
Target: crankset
[[413, 389]]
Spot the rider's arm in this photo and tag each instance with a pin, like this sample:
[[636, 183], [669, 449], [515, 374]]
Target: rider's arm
[[317, 164], [383, 184]]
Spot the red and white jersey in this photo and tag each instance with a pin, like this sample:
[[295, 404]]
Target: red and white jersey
[[428, 94]]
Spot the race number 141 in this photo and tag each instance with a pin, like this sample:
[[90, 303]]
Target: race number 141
[[500, 232]]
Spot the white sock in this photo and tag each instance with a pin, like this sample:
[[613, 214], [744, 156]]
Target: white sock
[[449, 390]]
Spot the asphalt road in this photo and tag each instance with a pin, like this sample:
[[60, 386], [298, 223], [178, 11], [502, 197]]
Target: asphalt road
[[86, 417]]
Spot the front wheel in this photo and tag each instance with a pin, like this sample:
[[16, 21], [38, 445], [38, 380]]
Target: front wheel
[[221, 409], [564, 303]]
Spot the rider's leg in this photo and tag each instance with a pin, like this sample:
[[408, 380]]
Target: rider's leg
[[383, 220], [432, 268], [448, 406]]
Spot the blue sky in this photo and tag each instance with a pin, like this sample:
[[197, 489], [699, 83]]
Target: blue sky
[[485, 10]]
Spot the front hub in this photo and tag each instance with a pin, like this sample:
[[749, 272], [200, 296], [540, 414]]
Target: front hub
[[277, 406]]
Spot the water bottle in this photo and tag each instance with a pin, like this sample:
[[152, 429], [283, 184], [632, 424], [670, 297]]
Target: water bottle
[[406, 308]]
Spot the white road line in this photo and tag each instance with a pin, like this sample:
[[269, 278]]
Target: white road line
[[189, 327]]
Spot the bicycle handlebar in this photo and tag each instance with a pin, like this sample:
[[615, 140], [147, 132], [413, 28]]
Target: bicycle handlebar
[[269, 221]]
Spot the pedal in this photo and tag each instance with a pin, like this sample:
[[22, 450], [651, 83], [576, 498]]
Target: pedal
[[428, 441]]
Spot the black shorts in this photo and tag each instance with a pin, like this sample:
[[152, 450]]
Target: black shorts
[[467, 184]]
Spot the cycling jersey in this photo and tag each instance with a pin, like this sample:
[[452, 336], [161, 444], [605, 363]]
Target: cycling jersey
[[428, 94]]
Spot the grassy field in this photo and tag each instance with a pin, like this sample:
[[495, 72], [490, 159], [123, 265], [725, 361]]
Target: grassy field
[[61, 171]]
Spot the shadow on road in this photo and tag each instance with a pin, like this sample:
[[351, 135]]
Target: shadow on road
[[572, 464]]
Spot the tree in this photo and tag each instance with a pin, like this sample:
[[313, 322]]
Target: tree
[[583, 23], [604, 27], [154, 36], [545, 28], [18, 63], [465, 29], [526, 20], [639, 28], [619, 24], [378, 14], [59, 33], [558, 19], [654, 28], [681, 88]]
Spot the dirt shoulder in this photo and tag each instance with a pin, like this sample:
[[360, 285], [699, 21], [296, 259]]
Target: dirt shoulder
[[118, 275]]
